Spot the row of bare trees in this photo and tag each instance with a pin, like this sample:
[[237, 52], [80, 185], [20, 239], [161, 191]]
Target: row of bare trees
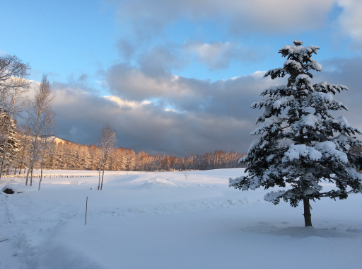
[[70, 156], [37, 149], [32, 144]]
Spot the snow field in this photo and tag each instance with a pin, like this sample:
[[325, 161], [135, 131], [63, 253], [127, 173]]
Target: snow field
[[163, 220]]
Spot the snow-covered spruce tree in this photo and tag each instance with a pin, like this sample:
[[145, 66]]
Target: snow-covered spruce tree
[[301, 144], [8, 141]]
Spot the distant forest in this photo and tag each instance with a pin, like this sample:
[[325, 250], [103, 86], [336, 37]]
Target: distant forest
[[71, 156]]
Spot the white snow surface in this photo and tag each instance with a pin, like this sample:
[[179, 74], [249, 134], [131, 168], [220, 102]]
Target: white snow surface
[[170, 220]]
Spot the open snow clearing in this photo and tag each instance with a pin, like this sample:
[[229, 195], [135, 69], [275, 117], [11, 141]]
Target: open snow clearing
[[169, 220]]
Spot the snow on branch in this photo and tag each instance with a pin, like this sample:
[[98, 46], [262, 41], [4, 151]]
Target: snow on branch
[[274, 196], [299, 51], [276, 73], [296, 151], [341, 125], [329, 151]]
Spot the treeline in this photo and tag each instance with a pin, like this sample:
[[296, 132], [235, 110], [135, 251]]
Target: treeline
[[71, 156]]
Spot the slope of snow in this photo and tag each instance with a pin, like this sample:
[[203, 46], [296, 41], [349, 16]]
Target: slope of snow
[[169, 220]]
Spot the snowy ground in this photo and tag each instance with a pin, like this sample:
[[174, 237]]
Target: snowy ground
[[167, 220]]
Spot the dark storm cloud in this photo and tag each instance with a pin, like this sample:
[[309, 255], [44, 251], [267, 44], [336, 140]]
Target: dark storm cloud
[[178, 115], [192, 116], [346, 72], [80, 115], [144, 126]]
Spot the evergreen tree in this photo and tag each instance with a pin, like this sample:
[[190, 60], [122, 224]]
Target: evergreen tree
[[8, 140], [300, 142], [23, 155]]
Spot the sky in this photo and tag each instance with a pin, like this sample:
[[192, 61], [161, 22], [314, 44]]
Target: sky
[[176, 77]]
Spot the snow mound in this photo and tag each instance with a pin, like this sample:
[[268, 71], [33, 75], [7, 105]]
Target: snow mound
[[303, 232], [156, 183]]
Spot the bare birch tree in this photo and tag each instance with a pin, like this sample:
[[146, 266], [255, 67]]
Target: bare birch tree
[[13, 84], [11, 67], [13, 102], [38, 113], [106, 142], [46, 140]]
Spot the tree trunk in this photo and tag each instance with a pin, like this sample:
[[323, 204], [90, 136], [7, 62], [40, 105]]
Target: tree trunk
[[40, 183], [102, 179], [307, 215], [41, 173], [31, 177], [103, 167], [99, 182], [27, 177]]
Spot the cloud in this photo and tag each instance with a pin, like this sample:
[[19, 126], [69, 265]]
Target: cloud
[[75, 82], [125, 49], [218, 55], [161, 60], [165, 59], [177, 115], [81, 79], [350, 20], [81, 115], [148, 18], [131, 83], [183, 94], [166, 114], [345, 72], [144, 125]]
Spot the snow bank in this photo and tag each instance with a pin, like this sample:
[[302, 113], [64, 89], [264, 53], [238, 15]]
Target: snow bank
[[156, 183]]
